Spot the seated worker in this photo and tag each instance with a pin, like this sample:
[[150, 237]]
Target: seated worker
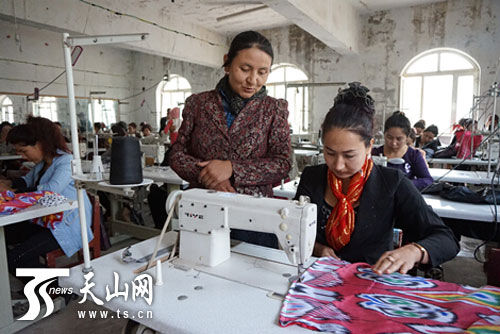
[[360, 203], [487, 124], [147, 134], [428, 141], [397, 129], [173, 124], [235, 138], [419, 127], [41, 142], [132, 130]]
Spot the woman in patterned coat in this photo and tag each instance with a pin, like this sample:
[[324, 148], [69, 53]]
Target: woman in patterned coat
[[235, 138]]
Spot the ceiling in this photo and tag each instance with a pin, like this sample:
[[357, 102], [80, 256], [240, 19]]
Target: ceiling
[[228, 17]]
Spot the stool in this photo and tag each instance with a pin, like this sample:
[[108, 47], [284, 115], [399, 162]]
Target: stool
[[94, 245]]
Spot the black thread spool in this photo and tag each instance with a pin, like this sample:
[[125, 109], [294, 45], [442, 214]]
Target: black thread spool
[[126, 165]]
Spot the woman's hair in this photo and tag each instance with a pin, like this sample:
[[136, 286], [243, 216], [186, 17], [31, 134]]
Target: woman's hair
[[41, 130], [434, 129], [398, 120], [146, 126], [133, 125], [420, 124], [412, 135], [353, 110], [246, 40], [118, 130]]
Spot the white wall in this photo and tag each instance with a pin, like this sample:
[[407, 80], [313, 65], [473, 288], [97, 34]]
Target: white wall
[[149, 71], [99, 68], [391, 39]]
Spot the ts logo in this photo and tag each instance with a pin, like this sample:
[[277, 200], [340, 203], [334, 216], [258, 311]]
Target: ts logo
[[41, 275]]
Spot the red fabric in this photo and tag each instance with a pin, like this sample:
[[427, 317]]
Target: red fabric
[[341, 221], [339, 297], [167, 126], [11, 202], [463, 144]]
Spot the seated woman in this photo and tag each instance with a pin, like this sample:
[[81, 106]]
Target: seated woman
[[41, 142], [360, 203], [397, 128]]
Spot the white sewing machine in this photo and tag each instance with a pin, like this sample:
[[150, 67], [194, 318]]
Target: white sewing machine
[[206, 217]]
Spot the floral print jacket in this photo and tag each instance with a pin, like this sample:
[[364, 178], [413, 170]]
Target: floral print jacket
[[257, 143]]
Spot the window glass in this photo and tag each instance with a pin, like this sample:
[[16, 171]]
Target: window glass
[[425, 64]]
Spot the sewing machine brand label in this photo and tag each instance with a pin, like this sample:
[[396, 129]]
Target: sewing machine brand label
[[193, 215]]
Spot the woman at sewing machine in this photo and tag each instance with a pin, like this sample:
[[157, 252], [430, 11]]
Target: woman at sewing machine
[[40, 141], [235, 138], [360, 203], [409, 160]]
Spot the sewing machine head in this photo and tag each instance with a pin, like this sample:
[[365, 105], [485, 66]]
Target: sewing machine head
[[206, 217]]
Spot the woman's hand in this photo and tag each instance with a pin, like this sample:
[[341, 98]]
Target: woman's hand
[[4, 186], [225, 186], [214, 172], [401, 259], [321, 250]]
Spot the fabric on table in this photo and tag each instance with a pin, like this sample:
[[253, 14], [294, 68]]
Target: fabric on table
[[340, 297], [11, 202]]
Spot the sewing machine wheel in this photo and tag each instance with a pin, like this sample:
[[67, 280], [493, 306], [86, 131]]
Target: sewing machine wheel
[[133, 327]]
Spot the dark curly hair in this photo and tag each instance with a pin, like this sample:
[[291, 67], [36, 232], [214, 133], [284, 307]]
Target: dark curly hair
[[398, 120], [353, 110], [41, 130]]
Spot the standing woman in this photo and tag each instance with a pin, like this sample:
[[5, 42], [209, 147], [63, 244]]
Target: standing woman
[[235, 138], [360, 203], [40, 141], [397, 129]]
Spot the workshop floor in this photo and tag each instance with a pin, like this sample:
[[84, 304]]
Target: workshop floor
[[464, 269]]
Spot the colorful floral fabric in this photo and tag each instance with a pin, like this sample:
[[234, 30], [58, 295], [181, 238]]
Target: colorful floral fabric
[[339, 297], [11, 202]]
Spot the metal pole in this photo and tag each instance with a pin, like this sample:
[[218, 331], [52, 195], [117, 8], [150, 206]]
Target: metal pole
[[492, 125], [76, 163]]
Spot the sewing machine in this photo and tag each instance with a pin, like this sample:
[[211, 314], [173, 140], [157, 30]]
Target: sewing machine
[[206, 217]]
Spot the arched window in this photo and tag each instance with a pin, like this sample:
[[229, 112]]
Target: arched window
[[438, 86], [286, 81], [170, 94], [7, 109], [46, 106]]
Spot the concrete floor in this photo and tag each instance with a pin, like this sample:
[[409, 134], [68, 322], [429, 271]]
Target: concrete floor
[[464, 269]]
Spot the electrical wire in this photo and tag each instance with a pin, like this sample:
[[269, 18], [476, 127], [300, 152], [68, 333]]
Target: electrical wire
[[143, 91], [150, 22], [463, 160], [495, 223]]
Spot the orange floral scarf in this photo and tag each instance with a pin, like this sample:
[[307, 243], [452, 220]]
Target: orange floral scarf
[[341, 221]]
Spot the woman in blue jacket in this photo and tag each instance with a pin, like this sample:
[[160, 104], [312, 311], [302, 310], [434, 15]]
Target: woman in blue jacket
[[41, 141]]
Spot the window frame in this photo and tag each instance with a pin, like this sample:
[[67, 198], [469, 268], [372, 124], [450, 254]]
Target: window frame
[[475, 71], [7, 109], [160, 97], [305, 117]]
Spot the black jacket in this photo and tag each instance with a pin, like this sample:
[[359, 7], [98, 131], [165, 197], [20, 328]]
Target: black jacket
[[389, 200]]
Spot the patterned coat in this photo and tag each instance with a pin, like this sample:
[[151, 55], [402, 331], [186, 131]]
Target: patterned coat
[[257, 144]]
